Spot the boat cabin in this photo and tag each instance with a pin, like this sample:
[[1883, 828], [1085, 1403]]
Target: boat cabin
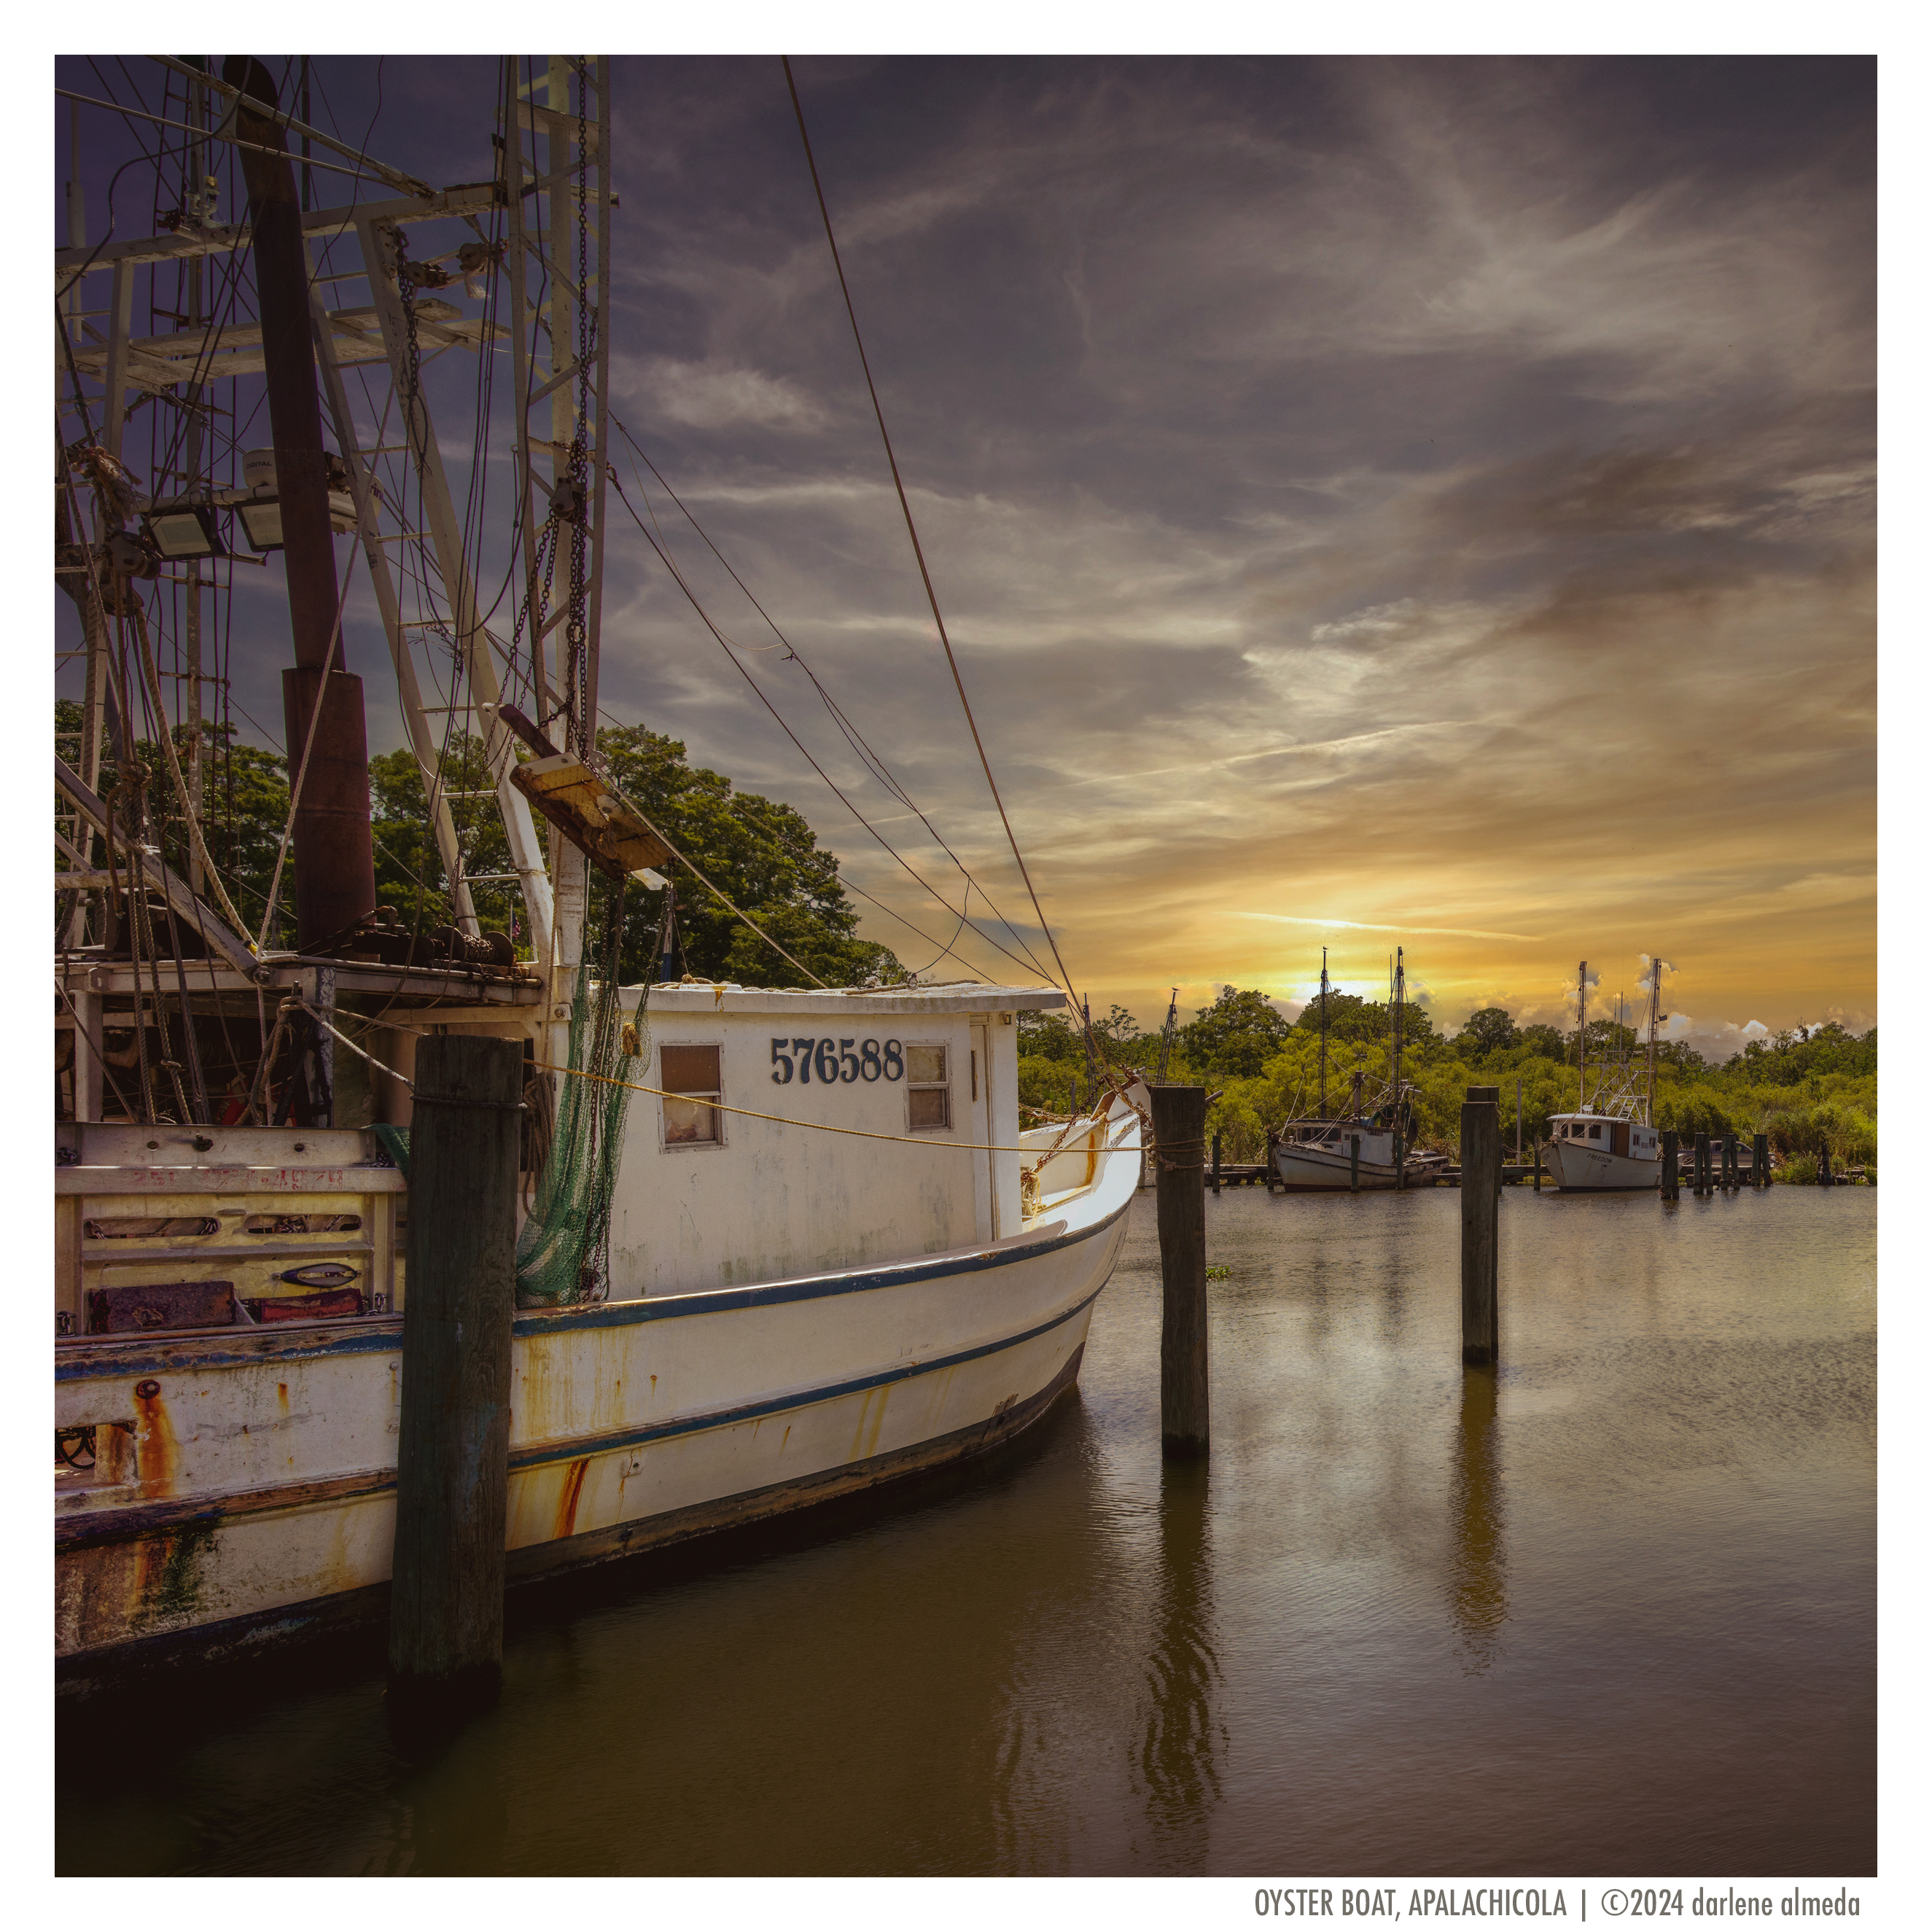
[[717, 1186], [1606, 1134]]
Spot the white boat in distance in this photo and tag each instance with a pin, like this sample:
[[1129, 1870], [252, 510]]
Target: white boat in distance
[[1608, 1145]]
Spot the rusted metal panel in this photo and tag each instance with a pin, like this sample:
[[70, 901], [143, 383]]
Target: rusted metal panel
[[141, 1308]]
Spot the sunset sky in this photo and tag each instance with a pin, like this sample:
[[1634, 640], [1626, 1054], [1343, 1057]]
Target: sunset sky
[[1374, 502]]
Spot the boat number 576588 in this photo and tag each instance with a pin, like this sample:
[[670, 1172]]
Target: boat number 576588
[[833, 1060]]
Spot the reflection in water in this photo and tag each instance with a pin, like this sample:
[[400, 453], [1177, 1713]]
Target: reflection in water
[[1057, 1660], [1478, 1599], [1182, 1736]]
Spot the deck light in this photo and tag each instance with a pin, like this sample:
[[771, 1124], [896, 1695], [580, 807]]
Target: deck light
[[182, 531], [261, 522]]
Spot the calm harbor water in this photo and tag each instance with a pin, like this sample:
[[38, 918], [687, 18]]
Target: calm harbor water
[[1612, 1611]]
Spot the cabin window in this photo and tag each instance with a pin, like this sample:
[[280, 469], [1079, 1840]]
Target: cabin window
[[928, 1096], [691, 1076], [1596, 1133]]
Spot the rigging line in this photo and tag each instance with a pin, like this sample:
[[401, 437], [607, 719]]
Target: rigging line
[[296, 790], [160, 153], [624, 498], [96, 1041], [1100, 1122], [925, 576], [745, 916], [210, 134], [853, 736], [196, 843], [945, 952]]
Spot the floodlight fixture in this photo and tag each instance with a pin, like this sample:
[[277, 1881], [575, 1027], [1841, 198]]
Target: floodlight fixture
[[261, 519], [180, 532]]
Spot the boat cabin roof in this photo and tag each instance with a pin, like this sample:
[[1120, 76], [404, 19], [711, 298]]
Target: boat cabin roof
[[710, 996]]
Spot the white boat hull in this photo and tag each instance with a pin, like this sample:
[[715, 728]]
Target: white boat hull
[[1578, 1168], [1317, 1167], [263, 1491]]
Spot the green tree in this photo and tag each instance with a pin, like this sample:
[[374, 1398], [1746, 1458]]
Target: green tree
[[762, 854], [1047, 1035], [1488, 1030], [1238, 1034]]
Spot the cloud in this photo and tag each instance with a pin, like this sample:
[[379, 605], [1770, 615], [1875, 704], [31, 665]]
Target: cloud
[[1436, 492]]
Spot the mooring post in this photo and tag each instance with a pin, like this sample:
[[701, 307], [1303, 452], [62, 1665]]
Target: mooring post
[[1667, 1179], [452, 1461], [1824, 1167], [1700, 1183], [1482, 1185], [1217, 1161], [1536, 1181], [1180, 1129], [1760, 1160], [1731, 1162], [1355, 1163]]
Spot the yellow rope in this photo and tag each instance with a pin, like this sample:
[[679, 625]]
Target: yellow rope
[[821, 1127]]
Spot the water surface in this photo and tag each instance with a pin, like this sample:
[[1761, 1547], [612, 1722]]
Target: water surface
[[1613, 1610]]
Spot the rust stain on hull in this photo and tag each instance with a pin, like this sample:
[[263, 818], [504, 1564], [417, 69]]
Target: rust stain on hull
[[157, 1453], [573, 1489]]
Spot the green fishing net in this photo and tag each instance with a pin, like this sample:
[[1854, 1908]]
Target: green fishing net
[[563, 1250]]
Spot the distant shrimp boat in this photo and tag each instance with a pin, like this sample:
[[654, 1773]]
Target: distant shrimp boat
[[1367, 1147], [1608, 1145], [1315, 1156]]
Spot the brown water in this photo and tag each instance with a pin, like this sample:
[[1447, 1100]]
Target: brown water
[[1611, 1612]]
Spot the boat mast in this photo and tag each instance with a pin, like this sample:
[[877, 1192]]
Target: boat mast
[[322, 701], [1167, 1033], [1583, 996], [1650, 1092], [1324, 1033], [1395, 1026], [560, 356]]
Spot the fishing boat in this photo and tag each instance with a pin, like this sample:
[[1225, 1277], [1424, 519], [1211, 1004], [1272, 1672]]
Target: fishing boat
[[805, 1261], [1608, 1145], [1368, 1145]]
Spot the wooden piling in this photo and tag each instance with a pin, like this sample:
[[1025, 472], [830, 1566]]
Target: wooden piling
[[1760, 1160], [1180, 1128], [1217, 1163], [1482, 1185], [1824, 1167], [1731, 1179], [452, 1473], [1536, 1182], [1355, 1163], [1668, 1180], [1700, 1170]]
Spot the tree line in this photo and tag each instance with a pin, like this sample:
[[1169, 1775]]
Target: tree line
[[1812, 1090]]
